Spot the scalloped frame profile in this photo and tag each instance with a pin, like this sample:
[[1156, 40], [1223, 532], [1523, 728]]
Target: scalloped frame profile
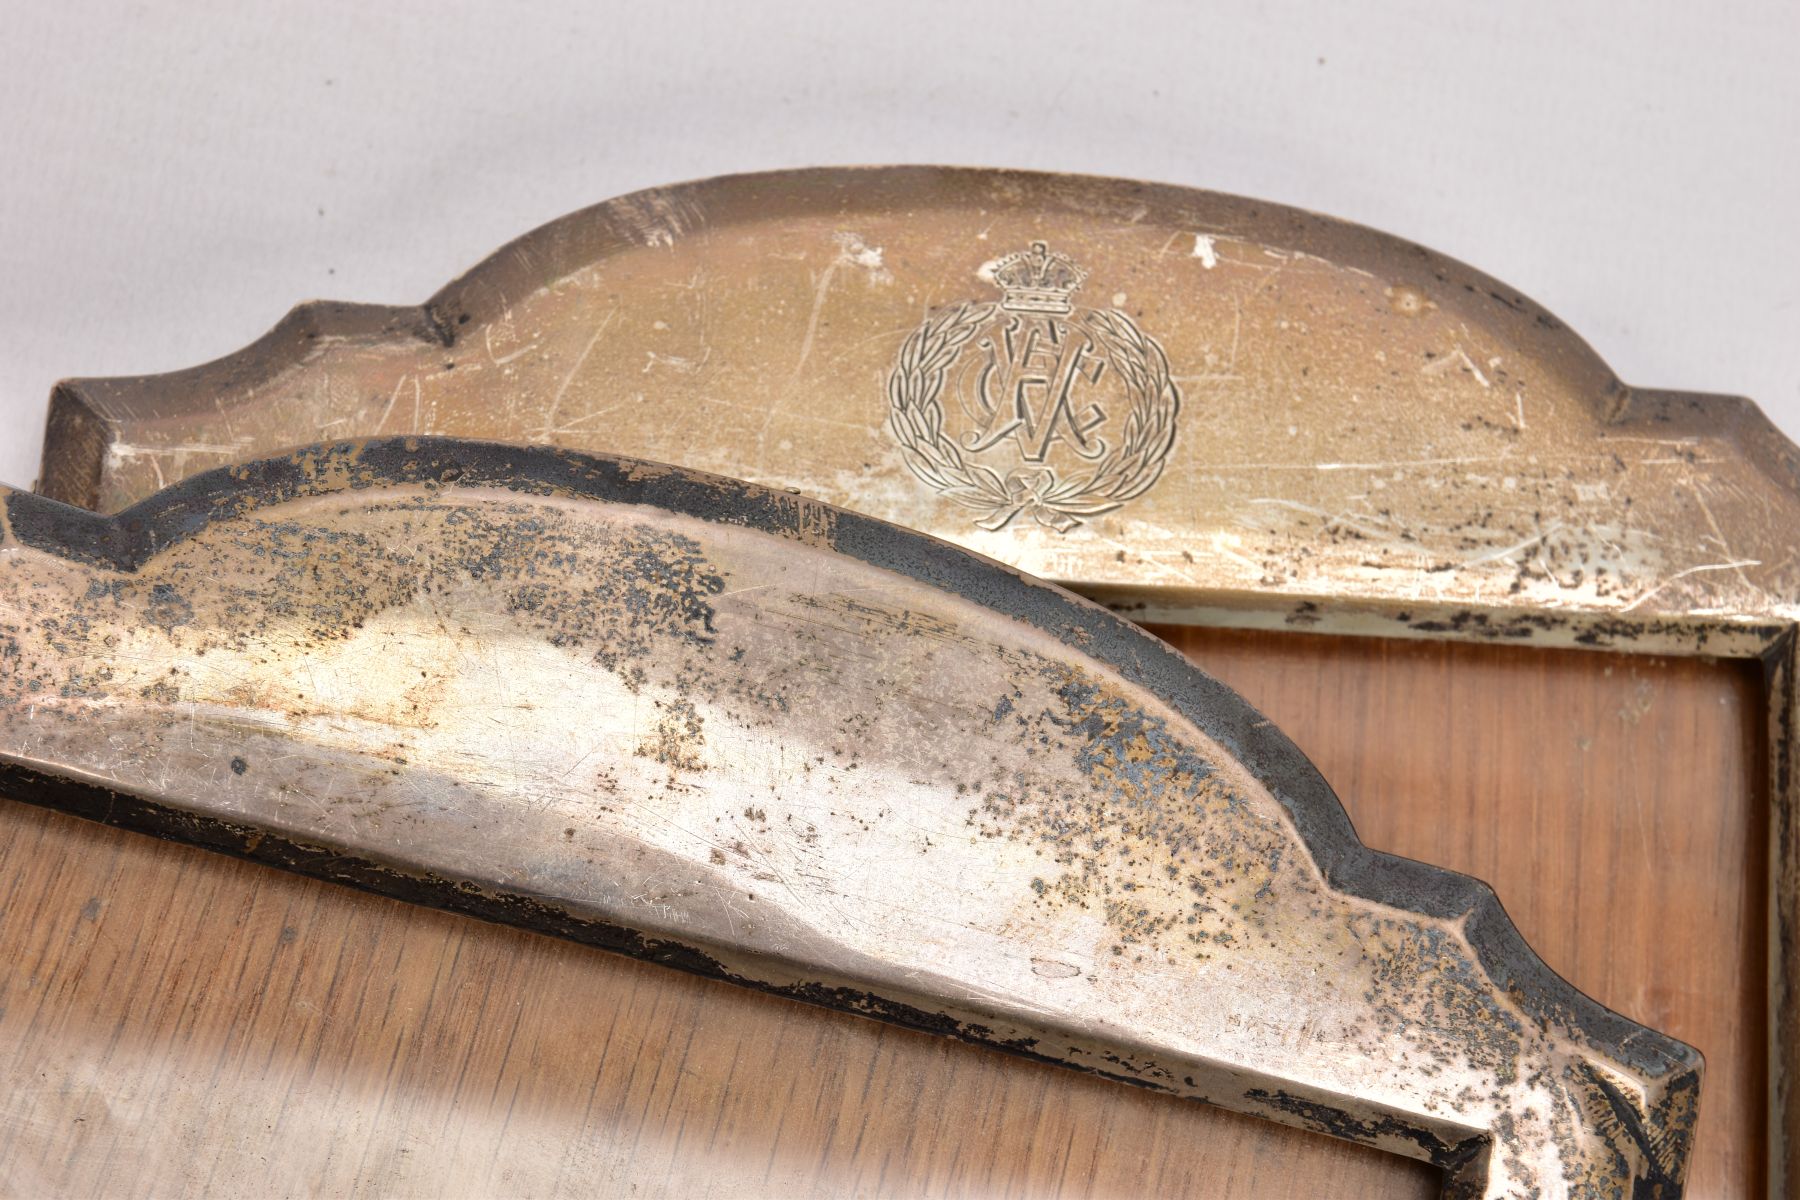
[[1146, 858]]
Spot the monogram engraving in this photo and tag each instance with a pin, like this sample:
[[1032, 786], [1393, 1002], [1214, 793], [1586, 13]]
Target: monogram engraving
[[1065, 412], [1041, 372]]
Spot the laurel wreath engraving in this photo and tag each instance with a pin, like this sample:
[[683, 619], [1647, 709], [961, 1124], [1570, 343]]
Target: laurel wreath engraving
[[916, 417]]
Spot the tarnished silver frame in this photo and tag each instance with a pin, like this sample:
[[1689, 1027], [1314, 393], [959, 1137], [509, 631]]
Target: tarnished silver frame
[[1368, 438], [757, 738]]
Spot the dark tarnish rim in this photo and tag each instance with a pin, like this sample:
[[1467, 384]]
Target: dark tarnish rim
[[127, 540]]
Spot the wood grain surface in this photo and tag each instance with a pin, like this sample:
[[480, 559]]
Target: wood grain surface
[[176, 1023]]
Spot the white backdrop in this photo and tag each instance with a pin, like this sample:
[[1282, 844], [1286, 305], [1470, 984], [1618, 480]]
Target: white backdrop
[[178, 175]]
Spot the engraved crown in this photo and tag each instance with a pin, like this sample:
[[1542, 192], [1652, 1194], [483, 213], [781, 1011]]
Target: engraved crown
[[1037, 280]]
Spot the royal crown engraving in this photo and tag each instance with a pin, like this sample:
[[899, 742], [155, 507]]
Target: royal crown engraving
[[1060, 413]]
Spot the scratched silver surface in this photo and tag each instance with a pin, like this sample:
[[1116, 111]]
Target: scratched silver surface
[[1363, 435]]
